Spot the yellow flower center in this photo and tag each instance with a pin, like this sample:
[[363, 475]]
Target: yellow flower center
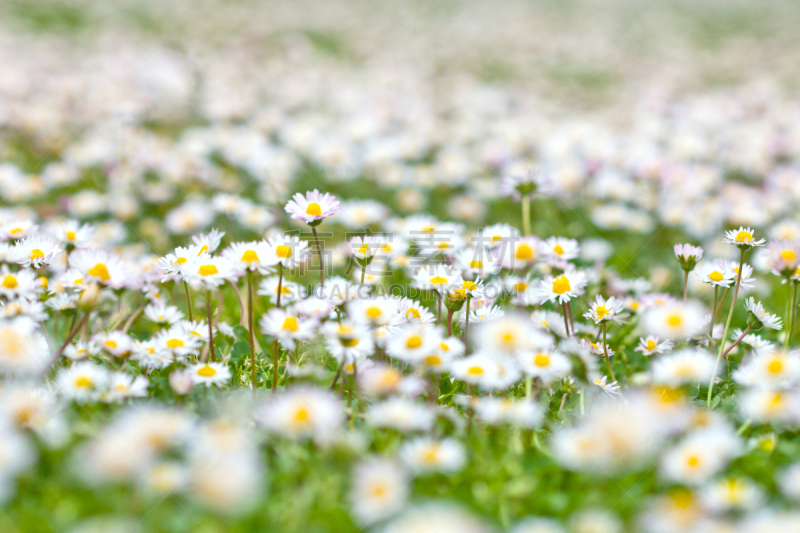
[[475, 370], [100, 271], [111, 344], [674, 321], [174, 343], [521, 286], [290, 324], [180, 261], [558, 249], [83, 382], [438, 280], [601, 311], [10, 282], [207, 270], [250, 256], [16, 230], [373, 312], [789, 256], [301, 415], [476, 264], [206, 371], [203, 250], [651, 344], [716, 276], [693, 461], [469, 285], [414, 342], [71, 235], [744, 237], [433, 360], [349, 343], [775, 367], [524, 252], [541, 360], [283, 251], [313, 209], [413, 312], [363, 249], [561, 285], [36, 254]]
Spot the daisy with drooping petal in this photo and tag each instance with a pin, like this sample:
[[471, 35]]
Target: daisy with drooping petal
[[207, 243], [743, 238], [209, 374], [312, 207], [759, 318], [651, 345], [36, 251]]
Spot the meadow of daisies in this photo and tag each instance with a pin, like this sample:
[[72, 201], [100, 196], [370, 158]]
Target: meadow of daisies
[[258, 273]]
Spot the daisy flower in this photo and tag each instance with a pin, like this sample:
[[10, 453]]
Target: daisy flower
[[783, 257], [290, 291], [716, 275], [759, 318], [171, 264], [101, 266], [115, 343], [401, 414], [83, 381], [161, 313], [377, 310], [496, 234], [652, 345], [676, 321], [732, 493], [412, 342], [562, 288], [612, 389], [314, 307], [436, 278], [288, 251], [177, 341], [743, 238], [602, 310], [36, 251], [489, 373], [256, 256], [559, 250], [545, 365], [207, 243], [151, 355], [209, 374], [286, 327], [425, 454], [207, 272], [479, 313], [71, 233], [518, 253], [684, 367], [477, 261], [747, 281], [413, 311], [302, 413], [364, 248], [20, 284], [313, 207], [380, 488], [688, 255], [522, 184], [122, 386], [22, 349], [17, 229], [198, 329]]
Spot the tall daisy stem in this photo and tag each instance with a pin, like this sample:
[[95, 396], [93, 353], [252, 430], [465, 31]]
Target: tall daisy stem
[[275, 367], [210, 328], [449, 323], [188, 300], [280, 284], [727, 327], [737, 341], [466, 326], [319, 254], [605, 351], [685, 284], [526, 214], [363, 274], [566, 319], [792, 316], [713, 314], [250, 313]]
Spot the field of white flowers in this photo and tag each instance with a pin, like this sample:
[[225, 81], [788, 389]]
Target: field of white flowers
[[399, 267]]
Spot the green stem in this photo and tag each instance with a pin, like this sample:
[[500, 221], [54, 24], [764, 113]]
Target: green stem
[[250, 314], [713, 315], [210, 328], [280, 283], [685, 284], [466, 327], [727, 327], [319, 253], [605, 351], [188, 300], [363, 274], [275, 368], [526, 215], [792, 316]]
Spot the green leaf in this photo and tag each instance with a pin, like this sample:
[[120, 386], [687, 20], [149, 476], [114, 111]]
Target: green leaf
[[240, 349], [241, 333]]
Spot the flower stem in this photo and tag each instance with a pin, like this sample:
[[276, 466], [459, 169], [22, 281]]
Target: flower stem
[[605, 351], [526, 215], [275, 367], [280, 283], [685, 284], [210, 328], [727, 327], [319, 253], [68, 340], [363, 274], [713, 315], [737, 341], [566, 319], [466, 326], [449, 323], [188, 300], [250, 313], [792, 316]]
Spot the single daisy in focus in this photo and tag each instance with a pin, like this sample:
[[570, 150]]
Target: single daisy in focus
[[716, 275], [177, 341], [20, 284], [743, 238], [207, 243], [651, 345], [312, 207], [36, 252], [688, 255], [562, 288], [101, 266], [207, 272]]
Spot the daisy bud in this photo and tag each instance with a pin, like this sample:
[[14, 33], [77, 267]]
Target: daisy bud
[[688, 255], [89, 296]]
